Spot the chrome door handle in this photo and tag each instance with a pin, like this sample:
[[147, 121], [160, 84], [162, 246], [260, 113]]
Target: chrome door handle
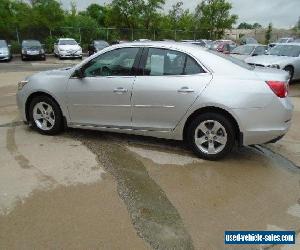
[[120, 90], [185, 90]]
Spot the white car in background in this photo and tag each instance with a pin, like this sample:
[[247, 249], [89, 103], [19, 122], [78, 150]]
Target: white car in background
[[67, 48], [285, 56]]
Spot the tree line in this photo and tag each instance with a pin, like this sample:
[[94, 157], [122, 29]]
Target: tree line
[[46, 20]]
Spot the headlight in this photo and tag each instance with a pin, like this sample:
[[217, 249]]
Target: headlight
[[276, 66], [42, 51], [24, 51], [61, 49], [21, 84]]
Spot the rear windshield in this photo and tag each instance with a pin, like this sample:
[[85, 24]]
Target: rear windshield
[[3, 43], [233, 60], [285, 50]]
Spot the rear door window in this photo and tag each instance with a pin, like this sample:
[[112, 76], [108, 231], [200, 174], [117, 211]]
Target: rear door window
[[164, 62]]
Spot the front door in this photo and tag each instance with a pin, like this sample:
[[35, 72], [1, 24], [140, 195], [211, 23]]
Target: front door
[[102, 96]]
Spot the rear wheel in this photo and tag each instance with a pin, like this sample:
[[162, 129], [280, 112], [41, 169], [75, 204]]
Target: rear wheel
[[290, 70], [211, 136], [45, 115]]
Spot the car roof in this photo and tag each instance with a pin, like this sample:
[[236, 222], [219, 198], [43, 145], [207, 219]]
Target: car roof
[[294, 44]]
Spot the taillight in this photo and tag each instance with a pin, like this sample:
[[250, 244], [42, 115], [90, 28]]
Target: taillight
[[279, 88]]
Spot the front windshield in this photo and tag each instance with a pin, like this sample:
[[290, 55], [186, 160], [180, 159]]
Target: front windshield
[[67, 42], [233, 60], [28, 44], [243, 50], [3, 44], [285, 50]]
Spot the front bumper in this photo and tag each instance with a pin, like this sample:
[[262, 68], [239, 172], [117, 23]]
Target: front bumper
[[29, 56], [4, 57], [21, 102], [70, 54]]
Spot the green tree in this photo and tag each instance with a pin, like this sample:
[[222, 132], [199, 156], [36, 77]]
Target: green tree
[[257, 26], [150, 15], [245, 25], [215, 17], [269, 33]]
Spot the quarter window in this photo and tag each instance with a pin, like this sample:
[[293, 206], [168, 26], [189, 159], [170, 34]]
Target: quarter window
[[118, 62], [168, 62]]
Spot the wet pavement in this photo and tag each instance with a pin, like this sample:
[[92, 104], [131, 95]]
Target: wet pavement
[[92, 190]]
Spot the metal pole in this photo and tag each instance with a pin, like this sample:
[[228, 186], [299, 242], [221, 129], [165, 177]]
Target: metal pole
[[131, 34], [106, 34], [175, 35], [17, 32], [154, 35], [79, 35]]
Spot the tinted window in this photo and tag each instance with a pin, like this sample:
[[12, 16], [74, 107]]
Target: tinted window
[[117, 62], [168, 62]]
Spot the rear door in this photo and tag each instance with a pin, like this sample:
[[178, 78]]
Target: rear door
[[169, 83]]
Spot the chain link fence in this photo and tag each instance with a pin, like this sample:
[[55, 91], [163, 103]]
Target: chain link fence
[[84, 35]]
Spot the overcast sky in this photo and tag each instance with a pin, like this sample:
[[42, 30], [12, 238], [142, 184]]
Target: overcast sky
[[282, 13]]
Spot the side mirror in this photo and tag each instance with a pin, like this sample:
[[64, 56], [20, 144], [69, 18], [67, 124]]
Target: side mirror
[[55, 44], [9, 45], [79, 73]]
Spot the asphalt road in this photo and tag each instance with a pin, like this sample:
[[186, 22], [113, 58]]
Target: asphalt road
[[92, 190]]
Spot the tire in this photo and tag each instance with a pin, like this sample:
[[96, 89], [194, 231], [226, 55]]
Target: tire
[[211, 129], [290, 69], [23, 58], [54, 115]]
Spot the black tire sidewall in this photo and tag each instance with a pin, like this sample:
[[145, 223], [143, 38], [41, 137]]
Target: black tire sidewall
[[291, 71], [226, 123], [58, 126]]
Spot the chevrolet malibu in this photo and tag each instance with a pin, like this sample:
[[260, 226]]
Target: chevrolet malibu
[[162, 89]]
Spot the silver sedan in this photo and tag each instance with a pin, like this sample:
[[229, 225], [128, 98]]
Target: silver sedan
[[162, 89]]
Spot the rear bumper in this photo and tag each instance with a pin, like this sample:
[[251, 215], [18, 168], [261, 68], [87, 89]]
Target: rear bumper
[[268, 124]]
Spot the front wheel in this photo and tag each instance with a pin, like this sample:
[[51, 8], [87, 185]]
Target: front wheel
[[45, 115], [211, 136], [290, 70]]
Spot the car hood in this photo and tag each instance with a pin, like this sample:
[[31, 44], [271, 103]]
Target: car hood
[[4, 50], [271, 74], [62, 72], [69, 47], [266, 60]]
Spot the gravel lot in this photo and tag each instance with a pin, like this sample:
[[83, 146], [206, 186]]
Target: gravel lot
[[91, 190]]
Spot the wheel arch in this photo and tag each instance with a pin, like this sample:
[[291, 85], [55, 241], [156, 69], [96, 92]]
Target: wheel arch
[[41, 93], [212, 109]]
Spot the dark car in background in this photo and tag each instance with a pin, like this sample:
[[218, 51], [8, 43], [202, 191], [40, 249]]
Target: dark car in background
[[96, 46], [32, 49], [5, 53]]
